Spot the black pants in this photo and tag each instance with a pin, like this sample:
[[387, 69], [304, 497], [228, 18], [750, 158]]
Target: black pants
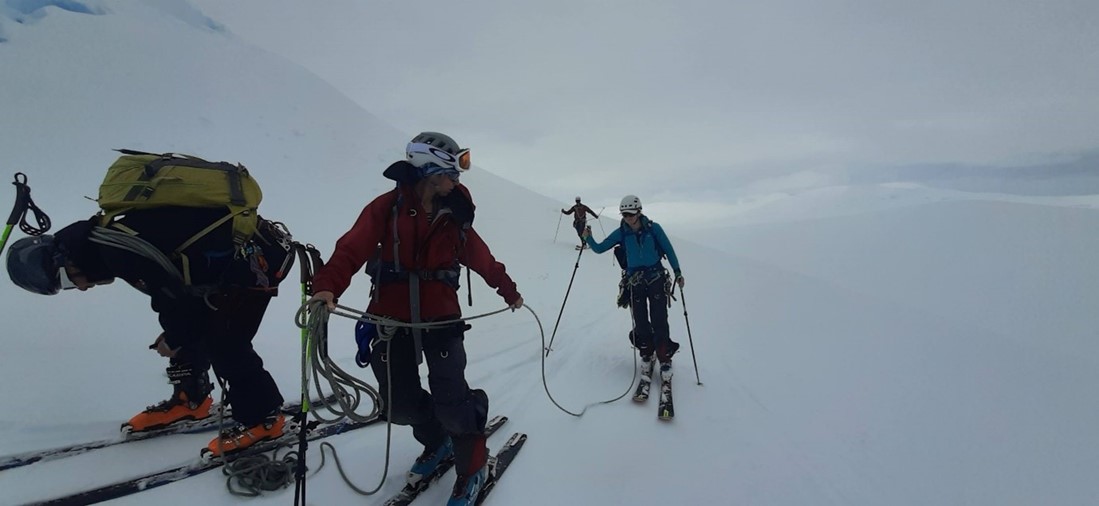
[[649, 305], [451, 408], [225, 342], [579, 226]]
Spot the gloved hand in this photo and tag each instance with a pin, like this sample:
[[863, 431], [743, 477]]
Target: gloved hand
[[364, 335], [586, 234], [162, 348], [679, 280]]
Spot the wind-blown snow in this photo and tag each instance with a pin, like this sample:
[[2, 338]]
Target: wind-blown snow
[[933, 354]]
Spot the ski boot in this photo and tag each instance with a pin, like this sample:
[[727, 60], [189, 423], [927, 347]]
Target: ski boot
[[190, 401], [645, 382], [467, 488], [647, 368], [175, 410], [428, 461], [240, 437], [471, 466]]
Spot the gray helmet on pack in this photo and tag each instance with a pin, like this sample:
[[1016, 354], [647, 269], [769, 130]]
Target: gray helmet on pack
[[34, 264], [433, 152], [630, 205]]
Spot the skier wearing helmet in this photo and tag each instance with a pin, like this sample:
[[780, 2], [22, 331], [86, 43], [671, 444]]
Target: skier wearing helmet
[[209, 322], [416, 238], [580, 214], [646, 281]]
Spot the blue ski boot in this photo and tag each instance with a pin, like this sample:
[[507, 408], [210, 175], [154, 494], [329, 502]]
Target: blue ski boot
[[429, 460], [467, 488]]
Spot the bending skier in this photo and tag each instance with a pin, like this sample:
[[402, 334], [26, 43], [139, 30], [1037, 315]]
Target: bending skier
[[210, 321], [646, 281], [416, 238]]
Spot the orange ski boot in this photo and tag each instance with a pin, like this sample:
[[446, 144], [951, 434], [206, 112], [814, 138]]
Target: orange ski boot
[[177, 409], [240, 437]]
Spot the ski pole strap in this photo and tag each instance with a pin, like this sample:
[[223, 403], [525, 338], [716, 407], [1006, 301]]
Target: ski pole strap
[[24, 203], [306, 269]]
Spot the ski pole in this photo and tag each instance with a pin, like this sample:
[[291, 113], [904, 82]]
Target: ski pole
[[558, 227], [308, 260], [562, 311], [600, 222], [23, 203], [683, 299]]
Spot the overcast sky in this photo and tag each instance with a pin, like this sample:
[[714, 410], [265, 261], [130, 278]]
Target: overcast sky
[[695, 101]]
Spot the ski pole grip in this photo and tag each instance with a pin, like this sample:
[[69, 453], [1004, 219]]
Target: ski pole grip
[[22, 196]]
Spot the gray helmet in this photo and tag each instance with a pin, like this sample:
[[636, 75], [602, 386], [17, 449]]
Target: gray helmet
[[34, 264], [630, 205]]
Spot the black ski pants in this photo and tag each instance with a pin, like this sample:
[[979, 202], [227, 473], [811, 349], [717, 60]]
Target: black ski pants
[[579, 226], [451, 408], [223, 339], [649, 306]]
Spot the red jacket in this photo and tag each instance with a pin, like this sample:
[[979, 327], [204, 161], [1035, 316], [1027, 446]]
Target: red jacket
[[424, 246]]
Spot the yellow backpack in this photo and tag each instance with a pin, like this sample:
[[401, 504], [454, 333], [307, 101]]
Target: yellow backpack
[[139, 180]]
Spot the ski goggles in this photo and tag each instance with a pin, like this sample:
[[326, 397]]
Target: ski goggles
[[630, 213], [459, 161]]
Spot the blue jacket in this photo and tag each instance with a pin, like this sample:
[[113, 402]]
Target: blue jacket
[[641, 252]]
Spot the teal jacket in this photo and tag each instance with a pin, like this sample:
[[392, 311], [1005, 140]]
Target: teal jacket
[[641, 246]]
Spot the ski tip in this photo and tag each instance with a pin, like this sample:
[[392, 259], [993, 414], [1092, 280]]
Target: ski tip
[[516, 439]]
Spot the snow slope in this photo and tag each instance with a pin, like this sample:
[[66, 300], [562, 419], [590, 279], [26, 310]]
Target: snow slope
[[814, 392]]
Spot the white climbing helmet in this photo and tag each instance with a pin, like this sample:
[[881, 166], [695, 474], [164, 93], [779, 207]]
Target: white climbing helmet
[[630, 205], [431, 151]]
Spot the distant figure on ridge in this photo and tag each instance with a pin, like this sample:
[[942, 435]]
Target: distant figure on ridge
[[579, 214]]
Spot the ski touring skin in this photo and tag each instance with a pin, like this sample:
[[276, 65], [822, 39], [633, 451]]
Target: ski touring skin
[[500, 462], [410, 492], [199, 466], [182, 427]]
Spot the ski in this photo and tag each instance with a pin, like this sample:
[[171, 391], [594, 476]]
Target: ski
[[666, 411], [642, 392], [199, 466], [410, 492], [183, 427], [500, 463]]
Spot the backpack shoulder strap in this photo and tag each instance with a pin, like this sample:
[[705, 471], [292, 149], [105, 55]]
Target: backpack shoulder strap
[[659, 249]]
